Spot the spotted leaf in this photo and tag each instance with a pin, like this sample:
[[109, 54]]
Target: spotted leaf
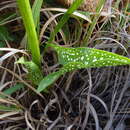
[[89, 57], [79, 58], [52, 77], [34, 73]]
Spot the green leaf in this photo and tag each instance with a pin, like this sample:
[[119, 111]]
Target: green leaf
[[8, 108], [51, 78], [12, 89], [2, 44], [4, 34], [79, 58], [36, 13], [48, 80], [90, 57], [34, 73]]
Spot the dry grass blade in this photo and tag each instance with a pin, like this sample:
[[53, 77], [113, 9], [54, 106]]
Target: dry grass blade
[[75, 13], [125, 87], [101, 101], [107, 38], [2, 84], [9, 21], [7, 101], [47, 24], [27, 121], [12, 5], [93, 111], [21, 80], [7, 114], [88, 100], [13, 51]]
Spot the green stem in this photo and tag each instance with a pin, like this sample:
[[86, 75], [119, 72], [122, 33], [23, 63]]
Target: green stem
[[33, 43]]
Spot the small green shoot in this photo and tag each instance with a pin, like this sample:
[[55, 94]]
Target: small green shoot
[[79, 58], [34, 73]]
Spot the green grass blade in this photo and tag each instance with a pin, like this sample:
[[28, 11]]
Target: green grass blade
[[94, 22], [7, 18], [65, 18], [25, 10], [8, 108], [36, 13]]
